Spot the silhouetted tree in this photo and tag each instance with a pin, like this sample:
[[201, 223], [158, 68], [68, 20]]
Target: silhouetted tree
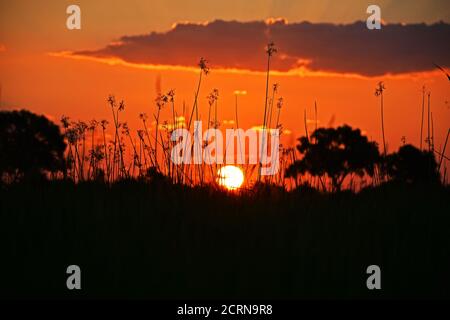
[[412, 165], [336, 152], [30, 146]]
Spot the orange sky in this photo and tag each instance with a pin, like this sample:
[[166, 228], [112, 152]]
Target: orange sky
[[32, 78]]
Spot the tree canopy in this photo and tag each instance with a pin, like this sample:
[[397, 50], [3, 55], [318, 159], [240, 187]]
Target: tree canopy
[[335, 152], [30, 146], [412, 165]]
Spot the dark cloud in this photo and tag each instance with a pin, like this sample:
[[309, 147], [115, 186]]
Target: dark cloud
[[346, 48]]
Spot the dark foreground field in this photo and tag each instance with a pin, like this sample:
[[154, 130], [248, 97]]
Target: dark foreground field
[[137, 240]]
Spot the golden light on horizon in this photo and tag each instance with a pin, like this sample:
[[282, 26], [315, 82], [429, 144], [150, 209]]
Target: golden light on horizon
[[230, 177]]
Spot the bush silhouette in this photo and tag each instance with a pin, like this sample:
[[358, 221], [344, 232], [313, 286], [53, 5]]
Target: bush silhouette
[[336, 152], [30, 146], [412, 165]]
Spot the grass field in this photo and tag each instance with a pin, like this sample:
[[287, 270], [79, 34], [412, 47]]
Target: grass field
[[141, 240]]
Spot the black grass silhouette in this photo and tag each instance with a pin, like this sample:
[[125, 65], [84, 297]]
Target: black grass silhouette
[[442, 69]]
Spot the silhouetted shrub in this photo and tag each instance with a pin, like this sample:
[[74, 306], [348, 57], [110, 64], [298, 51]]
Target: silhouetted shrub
[[30, 146], [412, 165], [336, 152]]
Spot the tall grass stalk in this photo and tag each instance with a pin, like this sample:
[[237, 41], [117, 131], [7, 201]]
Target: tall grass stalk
[[443, 150], [429, 127], [423, 110], [379, 92], [270, 50], [204, 69]]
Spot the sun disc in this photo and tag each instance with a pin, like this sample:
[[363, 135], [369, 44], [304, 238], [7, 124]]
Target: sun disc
[[230, 177]]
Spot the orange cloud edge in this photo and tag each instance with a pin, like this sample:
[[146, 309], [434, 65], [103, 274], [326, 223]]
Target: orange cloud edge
[[297, 72]]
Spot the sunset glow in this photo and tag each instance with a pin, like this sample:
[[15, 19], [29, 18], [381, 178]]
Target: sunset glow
[[230, 177]]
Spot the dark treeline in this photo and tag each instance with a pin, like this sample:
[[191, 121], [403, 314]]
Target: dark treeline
[[32, 148]]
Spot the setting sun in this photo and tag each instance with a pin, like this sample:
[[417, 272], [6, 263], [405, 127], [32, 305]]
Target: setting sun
[[230, 177]]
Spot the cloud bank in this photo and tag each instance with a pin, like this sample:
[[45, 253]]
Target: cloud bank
[[338, 48]]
